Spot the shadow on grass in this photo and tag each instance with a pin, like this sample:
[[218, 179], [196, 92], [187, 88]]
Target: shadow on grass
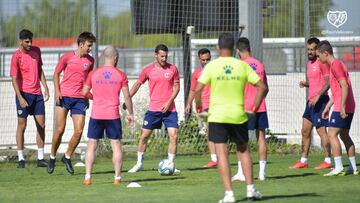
[[292, 176], [269, 197], [163, 178]]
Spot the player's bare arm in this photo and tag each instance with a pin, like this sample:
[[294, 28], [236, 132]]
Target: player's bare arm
[[325, 113], [344, 94], [15, 85], [57, 87], [323, 90], [129, 105], [198, 102], [44, 84], [189, 101], [176, 90], [261, 93], [303, 84]]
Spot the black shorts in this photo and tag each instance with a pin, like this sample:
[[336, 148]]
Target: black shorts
[[221, 132]]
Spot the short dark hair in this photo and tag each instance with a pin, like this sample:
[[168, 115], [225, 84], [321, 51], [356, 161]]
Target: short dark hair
[[86, 36], [325, 46], [226, 41], [203, 51], [313, 40], [25, 34], [243, 44], [161, 47]]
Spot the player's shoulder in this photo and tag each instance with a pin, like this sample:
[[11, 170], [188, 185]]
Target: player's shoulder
[[90, 58], [149, 66], [35, 49]]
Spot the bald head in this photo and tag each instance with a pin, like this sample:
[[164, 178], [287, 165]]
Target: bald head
[[110, 56]]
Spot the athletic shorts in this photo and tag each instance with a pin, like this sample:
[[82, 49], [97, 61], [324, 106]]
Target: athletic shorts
[[258, 121], [222, 132], [337, 122], [112, 129], [154, 120], [75, 105], [35, 106], [313, 113]]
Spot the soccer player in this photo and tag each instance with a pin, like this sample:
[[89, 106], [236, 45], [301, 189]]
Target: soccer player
[[227, 77], [204, 57], [343, 111], [26, 74], [106, 83], [163, 79], [318, 84], [258, 122], [68, 96]]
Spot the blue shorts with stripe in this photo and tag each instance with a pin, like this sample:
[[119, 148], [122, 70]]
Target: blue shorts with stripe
[[35, 106], [75, 105], [313, 113], [154, 120], [258, 121], [112, 129], [337, 122]]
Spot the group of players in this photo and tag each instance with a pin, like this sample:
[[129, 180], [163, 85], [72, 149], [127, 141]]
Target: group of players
[[231, 91]]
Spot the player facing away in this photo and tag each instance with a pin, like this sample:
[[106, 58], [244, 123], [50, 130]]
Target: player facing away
[[106, 82], [227, 119], [204, 57], [259, 122], [318, 85], [75, 66], [343, 110], [26, 74], [163, 79]]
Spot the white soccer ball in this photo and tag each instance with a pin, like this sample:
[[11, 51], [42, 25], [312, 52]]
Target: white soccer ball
[[166, 168]]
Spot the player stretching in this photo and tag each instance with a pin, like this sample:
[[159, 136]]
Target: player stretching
[[259, 121], [204, 57], [318, 76], [227, 77], [106, 83], [343, 111], [164, 86], [25, 70], [76, 65]]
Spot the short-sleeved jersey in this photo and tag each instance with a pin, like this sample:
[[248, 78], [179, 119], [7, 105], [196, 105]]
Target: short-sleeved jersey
[[75, 70], [205, 95], [161, 82], [316, 73], [339, 72], [227, 77], [250, 90], [106, 83], [26, 68]]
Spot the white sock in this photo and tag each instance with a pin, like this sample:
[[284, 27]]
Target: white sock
[[338, 163], [250, 187], [21, 155], [304, 160], [327, 160], [67, 156], [117, 177], [229, 193], [240, 171], [87, 176], [171, 157], [40, 153], [140, 156], [352, 163], [52, 157], [213, 157], [262, 165]]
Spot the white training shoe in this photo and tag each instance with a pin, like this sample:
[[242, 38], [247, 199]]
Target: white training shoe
[[262, 177], [253, 195], [136, 168], [227, 199], [238, 177], [352, 172], [177, 171]]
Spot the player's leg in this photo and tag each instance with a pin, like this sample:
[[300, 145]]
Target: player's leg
[[20, 129], [336, 151], [260, 135], [170, 120], [321, 131], [305, 144], [349, 144], [114, 133], [145, 134], [89, 159], [211, 146], [39, 117]]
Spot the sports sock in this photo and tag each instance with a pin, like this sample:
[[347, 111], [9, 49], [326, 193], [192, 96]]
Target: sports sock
[[171, 157], [304, 160], [250, 187], [338, 163], [262, 165], [67, 156], [117, 177], [213, 157], [352, 161], [52, 157], [21, 155], [40, 153], [240, 171], [229, 193], [140, 156], [87, 176], [327, 160]]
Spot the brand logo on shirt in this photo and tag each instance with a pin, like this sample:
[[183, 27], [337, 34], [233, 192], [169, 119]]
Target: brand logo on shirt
[[314, 68], [86, 65], [228, 69], [253, 66], [337, 18], [107, 75], [166, 75]]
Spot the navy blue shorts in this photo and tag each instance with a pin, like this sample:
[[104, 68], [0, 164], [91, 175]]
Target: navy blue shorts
[[222, 132], [258, 121], [313, 113], [337, 122], [112, 129], [35, 102], [75, 105], [154, 120]]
